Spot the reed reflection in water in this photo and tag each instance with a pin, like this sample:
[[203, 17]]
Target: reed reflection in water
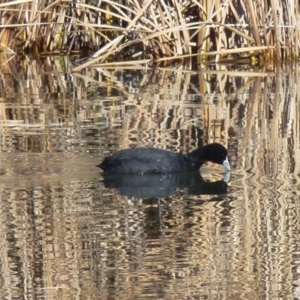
[[70, 232]]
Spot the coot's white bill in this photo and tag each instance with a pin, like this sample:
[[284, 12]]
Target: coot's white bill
[[226, 164], [227, 177]]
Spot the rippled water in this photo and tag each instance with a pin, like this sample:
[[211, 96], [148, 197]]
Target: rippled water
[[69, 232]]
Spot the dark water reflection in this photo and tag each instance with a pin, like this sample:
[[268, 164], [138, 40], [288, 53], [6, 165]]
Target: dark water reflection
[[164, 185], [70, 232]]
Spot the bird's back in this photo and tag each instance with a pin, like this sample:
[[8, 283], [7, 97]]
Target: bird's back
[[143, 161]]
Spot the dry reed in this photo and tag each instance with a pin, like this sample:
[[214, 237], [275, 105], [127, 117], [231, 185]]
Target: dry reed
[[153, 31]]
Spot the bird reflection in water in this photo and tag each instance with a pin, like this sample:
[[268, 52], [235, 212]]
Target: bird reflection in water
[[164, 185]]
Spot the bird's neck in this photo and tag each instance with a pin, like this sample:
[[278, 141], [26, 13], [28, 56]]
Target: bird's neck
[[195, 159]]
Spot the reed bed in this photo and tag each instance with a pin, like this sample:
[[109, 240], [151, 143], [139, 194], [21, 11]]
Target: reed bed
[[147, 32]]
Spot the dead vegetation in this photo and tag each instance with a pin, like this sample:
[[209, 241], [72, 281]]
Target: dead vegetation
[[144, 32]]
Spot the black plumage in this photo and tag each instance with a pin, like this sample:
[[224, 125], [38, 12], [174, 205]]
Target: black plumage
[[155, 161]]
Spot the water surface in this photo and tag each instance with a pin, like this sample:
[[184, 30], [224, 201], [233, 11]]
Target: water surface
[[68, 232]]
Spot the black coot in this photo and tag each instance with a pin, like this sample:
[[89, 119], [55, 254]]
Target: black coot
[[155, 161]]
